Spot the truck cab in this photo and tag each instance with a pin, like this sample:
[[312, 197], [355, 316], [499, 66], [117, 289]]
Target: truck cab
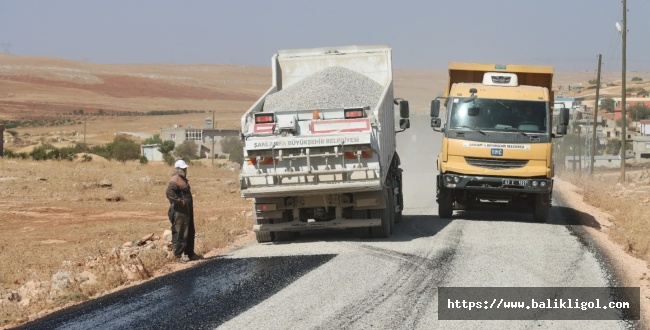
[[497, 148]]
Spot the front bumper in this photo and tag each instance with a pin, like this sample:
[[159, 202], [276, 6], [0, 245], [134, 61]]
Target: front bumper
[[495, 183]]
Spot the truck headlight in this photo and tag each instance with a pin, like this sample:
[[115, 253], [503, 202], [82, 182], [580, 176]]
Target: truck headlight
[[534, 184], [542, 184], [456, 179]]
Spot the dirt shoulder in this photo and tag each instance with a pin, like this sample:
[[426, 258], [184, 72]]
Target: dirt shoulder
[[633, 272]]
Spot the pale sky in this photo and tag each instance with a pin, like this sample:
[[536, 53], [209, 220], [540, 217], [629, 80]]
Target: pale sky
[[424, 34]]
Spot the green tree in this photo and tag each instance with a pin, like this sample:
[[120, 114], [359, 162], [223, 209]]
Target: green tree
[[166, 147], [101, 151], [637, 79], [187, 150], [234, 147], [155, 139], [169, 159], [608, 104], [39, 153], [613, 147], [642, 93], [124, 149], [639, 112]]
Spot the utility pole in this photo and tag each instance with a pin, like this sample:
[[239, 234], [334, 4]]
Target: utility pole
[[623, 101], [593, 134], [579, 147]]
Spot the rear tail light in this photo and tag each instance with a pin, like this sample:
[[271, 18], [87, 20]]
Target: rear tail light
[[353, 154], [353, 113], [265, 207], [263, 160], [264, 118]]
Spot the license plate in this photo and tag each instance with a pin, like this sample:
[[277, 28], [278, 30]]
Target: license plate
[[511, 182]]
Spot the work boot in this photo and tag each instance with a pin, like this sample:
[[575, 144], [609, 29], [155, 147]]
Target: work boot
[[183, 259], [195, 257]]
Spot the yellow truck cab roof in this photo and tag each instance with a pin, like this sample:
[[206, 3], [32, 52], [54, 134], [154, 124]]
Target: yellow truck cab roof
[[472, 73], [498, 92]]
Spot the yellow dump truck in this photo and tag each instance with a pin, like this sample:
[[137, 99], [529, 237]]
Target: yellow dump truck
[[496, 147]]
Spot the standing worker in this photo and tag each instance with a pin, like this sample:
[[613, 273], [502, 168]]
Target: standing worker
[[179, 194]]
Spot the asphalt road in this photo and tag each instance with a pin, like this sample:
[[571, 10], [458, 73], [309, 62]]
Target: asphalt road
[[330, 280]]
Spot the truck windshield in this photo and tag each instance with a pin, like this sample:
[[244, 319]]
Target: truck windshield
[[499, 115]]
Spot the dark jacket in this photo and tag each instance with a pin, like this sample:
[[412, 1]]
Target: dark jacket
[[179, 188]]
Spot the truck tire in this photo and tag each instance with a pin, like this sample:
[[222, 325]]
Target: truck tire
[[541, 207], [445, 203], [399, 197], [387, 218], [287, 216], [262, 237], [360, 232], [285, 235]]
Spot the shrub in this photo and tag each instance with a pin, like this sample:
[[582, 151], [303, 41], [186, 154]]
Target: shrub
[[608, 104], [39, 153], [143, 160], [613, 147], [155, 139], [186, 150], [166, 147], [234, 147], [169, 159], [123, 149], [9, 154], [101, 151]]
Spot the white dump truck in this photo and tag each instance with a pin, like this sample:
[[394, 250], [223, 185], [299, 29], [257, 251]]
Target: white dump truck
[[319, 145]]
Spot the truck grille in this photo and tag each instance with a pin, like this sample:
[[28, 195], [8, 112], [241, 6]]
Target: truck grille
[[496, 164]]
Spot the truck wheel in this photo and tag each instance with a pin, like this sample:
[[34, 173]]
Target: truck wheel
[[445, 203], [387, 218], [285, 235], [541, 207], [262, 237], [400, 198], [360, 232], [287, 216]]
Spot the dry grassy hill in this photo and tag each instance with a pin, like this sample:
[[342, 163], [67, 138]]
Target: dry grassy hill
[[57, 90]]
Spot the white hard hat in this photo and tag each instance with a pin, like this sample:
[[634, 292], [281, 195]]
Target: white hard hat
[[180, 164]]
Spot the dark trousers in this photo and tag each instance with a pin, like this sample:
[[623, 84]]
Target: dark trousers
[[184, 228]]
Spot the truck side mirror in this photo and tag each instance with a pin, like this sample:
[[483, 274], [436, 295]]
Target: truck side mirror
[[436, 122], [562, 126], [435, 109], [404, 123], [403, 109]]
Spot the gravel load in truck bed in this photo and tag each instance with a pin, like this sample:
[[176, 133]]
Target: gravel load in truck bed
[[334, 87]]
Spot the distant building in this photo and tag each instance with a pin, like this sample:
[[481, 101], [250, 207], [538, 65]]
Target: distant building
[[205, 138], [631, 101], [568, 102], [641, 147], [644, 127], [151, 152]]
